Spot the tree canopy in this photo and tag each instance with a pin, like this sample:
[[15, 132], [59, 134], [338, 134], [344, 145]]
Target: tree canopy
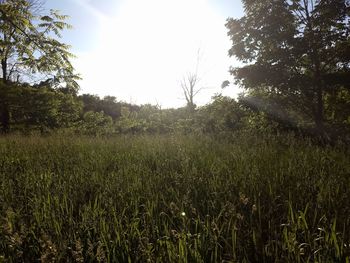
[[30, 50], [295, 51]]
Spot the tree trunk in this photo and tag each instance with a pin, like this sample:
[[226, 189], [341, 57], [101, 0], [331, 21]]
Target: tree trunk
[[5, 113], [5, 118], [319, 113], [318, 84], [319, 88]]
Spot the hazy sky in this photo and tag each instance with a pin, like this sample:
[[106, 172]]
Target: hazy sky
[[139, 50]]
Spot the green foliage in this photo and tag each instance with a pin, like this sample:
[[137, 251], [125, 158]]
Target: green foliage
[[338, 111], [108, 105], [146, 119], [30, 50], [129, 122], [223, 114], [95, 123], [69, 109], [294, 53], [256, 198], [39, 107], [30, 44]]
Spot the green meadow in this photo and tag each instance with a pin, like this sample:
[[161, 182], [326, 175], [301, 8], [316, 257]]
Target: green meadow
[[173, 198]]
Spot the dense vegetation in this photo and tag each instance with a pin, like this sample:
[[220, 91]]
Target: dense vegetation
[[296, 75], [296, 60], [174, 198], [261, 178]]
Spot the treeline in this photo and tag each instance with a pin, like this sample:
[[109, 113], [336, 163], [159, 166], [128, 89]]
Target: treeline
[[44, 109], [296, 74]]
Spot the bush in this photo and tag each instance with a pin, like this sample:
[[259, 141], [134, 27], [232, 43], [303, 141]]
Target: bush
[[95, 123]]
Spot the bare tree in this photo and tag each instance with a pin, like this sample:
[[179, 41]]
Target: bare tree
[[189, 85]]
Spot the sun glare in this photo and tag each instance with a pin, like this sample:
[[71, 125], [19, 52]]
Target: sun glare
[[147, 46]]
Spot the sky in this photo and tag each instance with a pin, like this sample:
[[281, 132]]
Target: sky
[[140, 50]]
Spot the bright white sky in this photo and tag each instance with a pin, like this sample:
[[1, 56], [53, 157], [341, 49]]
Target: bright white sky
[[142, 49]]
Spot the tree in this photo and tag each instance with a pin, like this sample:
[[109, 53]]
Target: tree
[[189, 85], [108, 105], [40, 107], [297, 51], [96, 123], [111, 107], [190, 90], [222, 114], [30, 50]]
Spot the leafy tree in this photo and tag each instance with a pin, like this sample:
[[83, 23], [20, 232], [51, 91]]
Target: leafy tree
[[296, 51], [69, 109], [109, 105], [40, 107], [96, 123], [222, 114], [130, 121], [90, 102], [30, 49]]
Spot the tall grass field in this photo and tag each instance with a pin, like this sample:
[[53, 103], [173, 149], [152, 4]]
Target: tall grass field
[[173, 199]]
